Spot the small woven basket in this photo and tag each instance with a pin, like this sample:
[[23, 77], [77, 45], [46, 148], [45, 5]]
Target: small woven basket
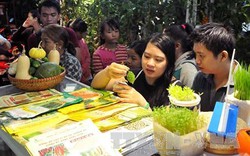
[[37, 84]]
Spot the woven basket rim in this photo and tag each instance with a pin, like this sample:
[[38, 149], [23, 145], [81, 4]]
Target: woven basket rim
[[62, 74], [37, 84]]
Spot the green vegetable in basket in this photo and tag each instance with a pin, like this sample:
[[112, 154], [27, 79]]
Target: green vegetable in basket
[[32, 70], [35, 63], [48, 69]]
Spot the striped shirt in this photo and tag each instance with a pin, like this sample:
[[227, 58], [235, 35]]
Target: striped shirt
[[103, 57]]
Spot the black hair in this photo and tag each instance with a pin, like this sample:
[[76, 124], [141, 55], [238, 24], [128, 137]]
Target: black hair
[[79, 25], [49, 4], [112, 23], [56, 33], [181, 33], [35, 14], [216, 37], [138, 46], [167, 46]]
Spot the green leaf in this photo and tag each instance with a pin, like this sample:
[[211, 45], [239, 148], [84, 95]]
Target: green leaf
[[130, 77]]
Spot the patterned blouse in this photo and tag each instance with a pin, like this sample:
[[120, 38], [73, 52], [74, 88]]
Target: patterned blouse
[[72, 65]]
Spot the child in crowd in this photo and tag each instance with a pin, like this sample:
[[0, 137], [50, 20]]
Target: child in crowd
[[185, 65], [213, 45], [135, 51], [55, 36], [109, 50], [150, 87], [80, 28]]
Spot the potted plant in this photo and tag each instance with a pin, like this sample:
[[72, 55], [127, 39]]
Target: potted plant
[[184, 97], [179, 130], [241, 94]]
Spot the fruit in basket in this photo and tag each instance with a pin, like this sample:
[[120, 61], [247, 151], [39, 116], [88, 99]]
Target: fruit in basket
[[37, 53], [23, 65], [12, 67], [45, 59], [48, 69], [35, 63], [54, 56], [32, 70]]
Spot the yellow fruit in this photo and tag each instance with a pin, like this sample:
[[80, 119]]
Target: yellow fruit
[[54, 56], [37, 53], [23, 65]]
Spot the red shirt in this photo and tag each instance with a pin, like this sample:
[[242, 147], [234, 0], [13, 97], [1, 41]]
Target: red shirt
[[85, 60]]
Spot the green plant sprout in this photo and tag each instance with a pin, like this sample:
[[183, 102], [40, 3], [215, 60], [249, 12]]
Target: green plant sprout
[[242, 83], [178, 120], [181, 94]]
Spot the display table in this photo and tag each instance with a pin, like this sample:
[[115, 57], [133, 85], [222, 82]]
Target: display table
[[16, 147], [141, 147]]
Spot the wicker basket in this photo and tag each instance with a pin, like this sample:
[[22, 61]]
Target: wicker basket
[[37, 84]]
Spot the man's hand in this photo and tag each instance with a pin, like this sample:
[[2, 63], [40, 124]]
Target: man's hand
[[27, 23]]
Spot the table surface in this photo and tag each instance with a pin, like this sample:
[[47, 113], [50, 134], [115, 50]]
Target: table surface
[[136, 149], [143, 147], [17, 148]]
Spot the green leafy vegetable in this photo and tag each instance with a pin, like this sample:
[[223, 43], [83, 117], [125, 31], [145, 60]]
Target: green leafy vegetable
[[176, 119], [242, 83], [182, 94], [130, 77]]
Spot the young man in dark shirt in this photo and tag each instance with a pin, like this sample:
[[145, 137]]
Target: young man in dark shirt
[[50, 13], [213, 45]]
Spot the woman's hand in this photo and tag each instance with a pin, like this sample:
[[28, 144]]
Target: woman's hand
[[116, 71], [129, 94], [106, 78]]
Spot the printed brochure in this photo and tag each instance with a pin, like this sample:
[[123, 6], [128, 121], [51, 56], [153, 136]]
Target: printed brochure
[[78, 139]]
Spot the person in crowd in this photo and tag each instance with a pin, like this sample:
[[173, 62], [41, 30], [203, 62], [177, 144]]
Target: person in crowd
[[4, 43], [150, 86], [50, 13], [54, 35], [135, 51], [80, 28], [6, 31], [185, 65], [30, 25], [213, 45], [109, 50], [5, 56]]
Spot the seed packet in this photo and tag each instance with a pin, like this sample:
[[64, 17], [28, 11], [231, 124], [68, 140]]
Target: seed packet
[[34, 109]]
